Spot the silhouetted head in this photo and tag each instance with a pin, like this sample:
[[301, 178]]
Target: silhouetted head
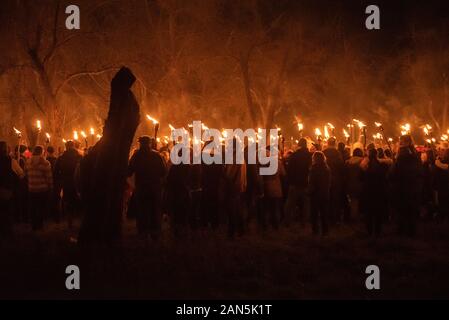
[[446, 156], [341, 147], [302, 143], [331, 142], [50, 150], [69, 145], [357, 152], [371, 146], [3, 149], [318, 158], [388, 153], [144, 141], [406, 141], [123, 79], [372, 154], [38, 151], [380, 153]]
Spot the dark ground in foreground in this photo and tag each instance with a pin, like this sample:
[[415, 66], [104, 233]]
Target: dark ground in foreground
[[287, 264]]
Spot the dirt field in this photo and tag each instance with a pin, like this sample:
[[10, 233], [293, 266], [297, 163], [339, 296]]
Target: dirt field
[[288, 264]]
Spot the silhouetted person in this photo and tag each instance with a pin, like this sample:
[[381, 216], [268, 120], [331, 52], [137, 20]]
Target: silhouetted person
[[235, 187], [212, 192], [406, 179], [149, 169], [442, 185], [343, 151], [353, 183], [374, 193], [40, 184], [64, 171], [319, 188], [297, 176], [334, 160], [51, 157], [10, 173], [179, 198], [428, 186], [55, 196], [21, 190], [105, 168], [272, 197]]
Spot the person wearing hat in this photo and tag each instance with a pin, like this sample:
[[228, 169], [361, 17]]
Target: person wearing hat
[[149, 170]]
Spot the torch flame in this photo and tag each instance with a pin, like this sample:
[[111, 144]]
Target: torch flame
[[64, 140], [83, 134], [204, 127], [326, 132], [92, 131], [346, 134], [317, 132], [405, 129], [171, 127], [152, 119], [330, 125], [378, 124], [75, 135], [38, 125], [16, 131], [47, 135], [300, 126], [99, 136]]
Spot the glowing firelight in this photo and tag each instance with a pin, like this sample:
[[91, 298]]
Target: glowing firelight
[[300, 126], [152, 119], [405, 129], [75, 135], [99, 136], [359, 123], [330, 125], [83, 134], [92, 131], [326, 132], [426, 129], [444, 137], [38, 125], [17, 131], [204, 127], [47, 135], [378, 124], [64, 141], [171, 127], [346, 134], [318, 132]]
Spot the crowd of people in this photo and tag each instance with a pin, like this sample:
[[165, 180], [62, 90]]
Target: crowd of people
[[324, 185]]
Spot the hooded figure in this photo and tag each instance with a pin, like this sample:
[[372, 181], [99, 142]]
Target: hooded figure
[[104, 169]]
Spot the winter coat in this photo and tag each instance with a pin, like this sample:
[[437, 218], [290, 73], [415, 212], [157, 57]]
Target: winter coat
[[353, 176], [319, 182], [298, 168], [149, 169], [39, 173]]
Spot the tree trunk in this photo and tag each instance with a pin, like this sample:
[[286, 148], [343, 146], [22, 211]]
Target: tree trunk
[[104, 169], [244, 67]]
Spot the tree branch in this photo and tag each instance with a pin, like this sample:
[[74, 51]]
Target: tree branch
[[73, 76]]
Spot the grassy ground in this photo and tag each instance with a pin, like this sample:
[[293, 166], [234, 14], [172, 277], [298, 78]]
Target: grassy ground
[[288, 264]]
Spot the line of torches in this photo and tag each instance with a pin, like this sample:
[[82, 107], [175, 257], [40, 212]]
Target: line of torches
[[76, 135], [327, 133]]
